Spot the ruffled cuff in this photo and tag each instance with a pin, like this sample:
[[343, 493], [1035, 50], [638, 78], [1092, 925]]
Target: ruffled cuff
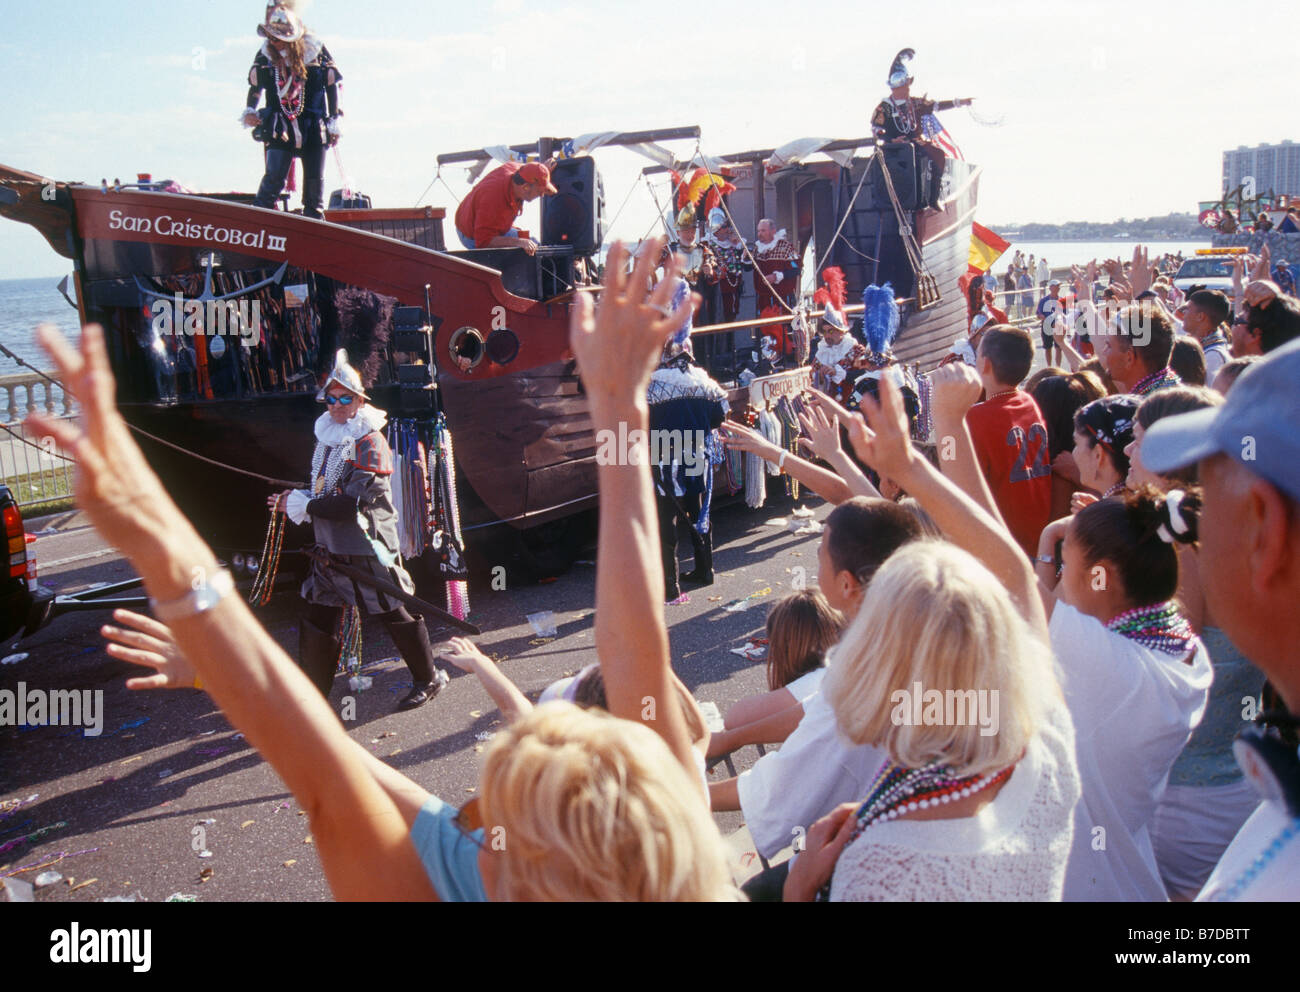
[[296, 506]]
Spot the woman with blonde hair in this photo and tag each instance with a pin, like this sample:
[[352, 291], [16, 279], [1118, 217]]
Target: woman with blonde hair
[[575, 805], [945, 669]]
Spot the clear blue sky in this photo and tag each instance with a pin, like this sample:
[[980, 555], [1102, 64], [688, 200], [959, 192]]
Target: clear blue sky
[[1107, 109]]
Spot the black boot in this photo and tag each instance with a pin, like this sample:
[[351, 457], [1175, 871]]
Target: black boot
[[412, 640], [318, 655], [702, 573]]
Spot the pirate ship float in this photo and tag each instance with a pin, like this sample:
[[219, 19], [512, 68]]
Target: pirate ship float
[[480, 336]]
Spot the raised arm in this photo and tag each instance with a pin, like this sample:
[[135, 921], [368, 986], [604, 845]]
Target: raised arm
[[823, 482], [358, 829], [617, 348], [955, 388], [887, 449], [822, 424], [462, 653]]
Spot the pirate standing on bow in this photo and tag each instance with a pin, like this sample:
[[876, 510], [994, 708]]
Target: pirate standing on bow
[[301, 116], [350, 507], [902, 117]]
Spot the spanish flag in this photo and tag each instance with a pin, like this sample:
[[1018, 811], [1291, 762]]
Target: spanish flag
[[985, 247]]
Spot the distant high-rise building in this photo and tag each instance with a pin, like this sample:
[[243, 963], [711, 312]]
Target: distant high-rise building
[[1275, 168]]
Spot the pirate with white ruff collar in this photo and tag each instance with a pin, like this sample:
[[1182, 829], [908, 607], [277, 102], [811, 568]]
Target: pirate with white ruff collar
[[350, 507], [301, 116]]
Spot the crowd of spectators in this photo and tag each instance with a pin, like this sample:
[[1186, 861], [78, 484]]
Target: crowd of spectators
[[1020, 676]]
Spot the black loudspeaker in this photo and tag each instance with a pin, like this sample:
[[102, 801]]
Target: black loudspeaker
[[906, 170], [339, 200], [575, 216]]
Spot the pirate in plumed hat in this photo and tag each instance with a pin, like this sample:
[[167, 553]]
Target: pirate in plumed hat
[[350, 507]]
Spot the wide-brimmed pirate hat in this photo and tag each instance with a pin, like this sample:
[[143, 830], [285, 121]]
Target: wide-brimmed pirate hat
[[281, 24], [343, 374]]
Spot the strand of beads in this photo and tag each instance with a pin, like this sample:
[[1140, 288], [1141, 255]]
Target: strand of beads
[[1160, 627]]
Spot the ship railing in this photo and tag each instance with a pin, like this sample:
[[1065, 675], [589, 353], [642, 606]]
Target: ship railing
[[34, 468]]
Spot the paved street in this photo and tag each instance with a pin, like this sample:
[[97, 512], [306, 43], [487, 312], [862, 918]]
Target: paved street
[[168, 777]]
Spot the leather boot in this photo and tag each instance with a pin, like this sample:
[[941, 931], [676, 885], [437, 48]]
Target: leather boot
[[412, 640], [702, 573], [318, 655]]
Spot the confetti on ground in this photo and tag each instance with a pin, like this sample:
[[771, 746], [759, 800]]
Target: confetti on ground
[[740, 605], [246, 823], [543, 623], [540, 640], [485, 735], [166, 773], [82, 885], [308, 840], [753, 649], [476, 713], [138, 757], [205, 854], [213, 751], [208, 822], [205, 874], [290, 863], [715, 599], [181, 897]]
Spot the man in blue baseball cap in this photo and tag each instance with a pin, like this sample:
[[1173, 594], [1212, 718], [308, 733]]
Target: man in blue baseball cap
[[1248, 456]]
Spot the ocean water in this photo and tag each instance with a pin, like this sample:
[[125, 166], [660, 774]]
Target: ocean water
[[24, 304], [1063, 254]]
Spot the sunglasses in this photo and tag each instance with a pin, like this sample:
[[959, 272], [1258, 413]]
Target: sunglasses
[[469, 821], [332, 399]]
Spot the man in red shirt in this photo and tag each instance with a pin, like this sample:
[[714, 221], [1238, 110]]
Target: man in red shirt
[[486, 217], [1009, 435]]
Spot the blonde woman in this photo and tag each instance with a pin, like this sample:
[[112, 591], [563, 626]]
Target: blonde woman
[[945, 669], [574, 805]]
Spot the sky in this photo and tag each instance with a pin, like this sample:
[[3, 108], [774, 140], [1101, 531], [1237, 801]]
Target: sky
[[1086, 111]]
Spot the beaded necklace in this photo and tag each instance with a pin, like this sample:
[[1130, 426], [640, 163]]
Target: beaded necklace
[[1269, 854], [1114, 490], [898, 790], [1159, 379], [290, 92], [1160, 627]]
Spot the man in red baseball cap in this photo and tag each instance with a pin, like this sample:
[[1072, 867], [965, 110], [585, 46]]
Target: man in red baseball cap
[[486, 217]]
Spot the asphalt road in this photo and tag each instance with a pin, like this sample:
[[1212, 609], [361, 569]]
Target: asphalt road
[[126, 814]]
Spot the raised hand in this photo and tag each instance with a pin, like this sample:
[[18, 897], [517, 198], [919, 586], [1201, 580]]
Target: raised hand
[[618, 342], [1140, 274], [822, 426], [148, 643], [114, 484], [461, 652], [738, 437], [955, 388]]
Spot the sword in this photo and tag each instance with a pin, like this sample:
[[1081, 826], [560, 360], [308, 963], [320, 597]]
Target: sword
[[365, 578]]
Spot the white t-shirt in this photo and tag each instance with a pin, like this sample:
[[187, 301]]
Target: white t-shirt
[[815, 770], [1134, 709], [807, 684], [1014, 849], [1279, 880], [1044, 271]]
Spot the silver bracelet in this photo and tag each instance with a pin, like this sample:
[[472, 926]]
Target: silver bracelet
[[200, 600], [1046, 559]]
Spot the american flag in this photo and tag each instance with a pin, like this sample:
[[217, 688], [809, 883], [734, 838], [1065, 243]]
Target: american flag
[[932, 129]]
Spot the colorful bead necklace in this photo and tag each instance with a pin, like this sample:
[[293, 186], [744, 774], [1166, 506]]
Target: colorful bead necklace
[[290, 92], [898, 790], [1160, 627], [1160, 379]]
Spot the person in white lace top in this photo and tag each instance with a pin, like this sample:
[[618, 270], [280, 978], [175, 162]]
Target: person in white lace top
[[946, 669]]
